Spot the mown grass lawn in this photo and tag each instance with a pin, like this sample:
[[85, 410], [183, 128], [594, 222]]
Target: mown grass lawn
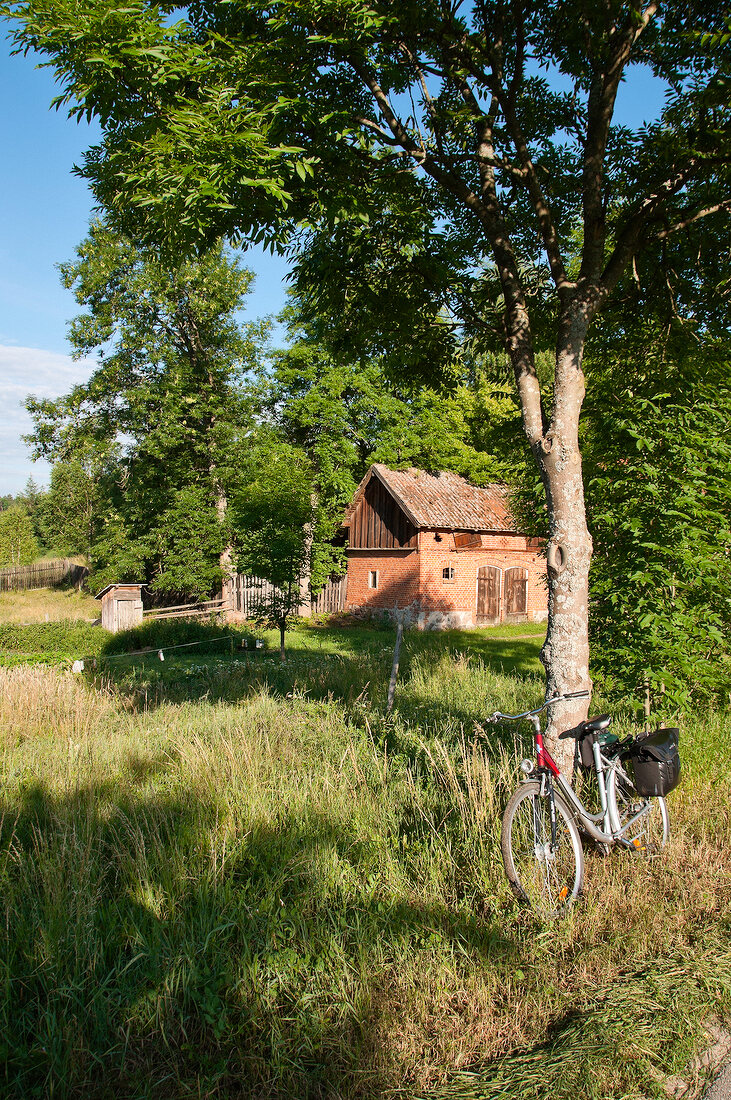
[[225, 877]]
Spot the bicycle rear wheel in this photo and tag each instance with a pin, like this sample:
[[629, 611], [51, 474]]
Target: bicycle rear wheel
[[644, 822], [544, 875]]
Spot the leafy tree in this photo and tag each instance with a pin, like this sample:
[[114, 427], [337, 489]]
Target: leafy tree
[[657, 456], [118, 553], [452, 167], [168, 402], [274, 515], [32, 499], [18, 544], [70, 510], [186, 542]]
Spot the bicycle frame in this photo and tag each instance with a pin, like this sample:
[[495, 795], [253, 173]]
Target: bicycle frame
[[611, 831]]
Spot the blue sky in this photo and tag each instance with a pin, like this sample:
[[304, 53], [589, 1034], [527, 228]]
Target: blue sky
[[46, 212]]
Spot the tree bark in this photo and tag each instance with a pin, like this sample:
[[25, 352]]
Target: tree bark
[[565, 653], [225, 558]]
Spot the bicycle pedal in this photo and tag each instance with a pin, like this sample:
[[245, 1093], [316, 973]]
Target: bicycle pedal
[[639, 846]]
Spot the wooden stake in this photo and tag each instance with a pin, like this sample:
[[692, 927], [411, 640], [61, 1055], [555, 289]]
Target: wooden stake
[[394, 666]]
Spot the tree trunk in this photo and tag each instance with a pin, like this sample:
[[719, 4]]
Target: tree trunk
[[305, 604], [225, 559], [282, 630], [565, 653]]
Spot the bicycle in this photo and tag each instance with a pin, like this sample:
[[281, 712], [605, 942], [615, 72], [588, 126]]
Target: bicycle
[[543, 821]]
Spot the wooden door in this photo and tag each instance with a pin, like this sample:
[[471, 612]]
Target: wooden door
[[488, 595], [515, 597]]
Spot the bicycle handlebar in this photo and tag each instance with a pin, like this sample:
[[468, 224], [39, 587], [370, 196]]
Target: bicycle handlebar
[[498, 716]]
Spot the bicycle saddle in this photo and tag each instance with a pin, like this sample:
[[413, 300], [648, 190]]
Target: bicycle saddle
[[591, 725]]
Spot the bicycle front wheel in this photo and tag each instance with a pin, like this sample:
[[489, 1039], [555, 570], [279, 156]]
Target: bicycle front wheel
[[544, 872], [642, 822]]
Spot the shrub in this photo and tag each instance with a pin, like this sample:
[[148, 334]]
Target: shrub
[[161, 633], [70, 638]]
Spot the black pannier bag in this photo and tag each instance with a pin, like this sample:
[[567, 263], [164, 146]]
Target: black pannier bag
[[656, 762]]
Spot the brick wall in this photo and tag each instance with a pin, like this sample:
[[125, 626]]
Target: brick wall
[[414, 582], [398, 579]]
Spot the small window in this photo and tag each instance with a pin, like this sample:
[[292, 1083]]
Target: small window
[[449, 573], [373, 578]]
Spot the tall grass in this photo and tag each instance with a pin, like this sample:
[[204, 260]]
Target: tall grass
[[276, 891], [37, 605]]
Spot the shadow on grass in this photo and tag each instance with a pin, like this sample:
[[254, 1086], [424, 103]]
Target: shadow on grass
[[349, 666], [144, 956]]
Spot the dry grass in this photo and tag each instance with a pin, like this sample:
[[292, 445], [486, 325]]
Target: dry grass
[[41, 605], [261, 895]]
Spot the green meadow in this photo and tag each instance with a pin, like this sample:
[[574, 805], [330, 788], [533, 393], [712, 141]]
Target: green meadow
[[222, 876]]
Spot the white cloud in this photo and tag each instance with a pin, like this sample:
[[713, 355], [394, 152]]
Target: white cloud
[[44, 374]]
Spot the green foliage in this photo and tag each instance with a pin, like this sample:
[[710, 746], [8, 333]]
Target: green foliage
[[187, 542], [358, 127], [159, 425], [159, 633], [70, 639], [117, 554], [274, 514], [33, 499], [657, 456], [18, 545], [70, 510]]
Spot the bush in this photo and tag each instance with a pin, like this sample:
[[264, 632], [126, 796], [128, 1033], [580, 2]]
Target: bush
[[162, 633], [69, 638]]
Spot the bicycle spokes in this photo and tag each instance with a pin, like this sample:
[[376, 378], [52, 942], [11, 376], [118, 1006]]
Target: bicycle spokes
[[543, 853]]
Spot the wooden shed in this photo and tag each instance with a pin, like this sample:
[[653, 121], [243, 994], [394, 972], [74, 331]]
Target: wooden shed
[[121, 606]]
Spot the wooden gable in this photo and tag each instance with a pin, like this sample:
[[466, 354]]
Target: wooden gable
[[378, 523]]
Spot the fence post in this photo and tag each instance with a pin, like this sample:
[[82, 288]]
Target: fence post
[[394, 666]]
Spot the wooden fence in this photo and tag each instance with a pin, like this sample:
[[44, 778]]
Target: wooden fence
[[248, 593], [330, 598], [45, 574], [243, 597], [186, 610]]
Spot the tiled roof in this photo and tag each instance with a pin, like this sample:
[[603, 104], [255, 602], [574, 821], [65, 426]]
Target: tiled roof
[[443, 500]]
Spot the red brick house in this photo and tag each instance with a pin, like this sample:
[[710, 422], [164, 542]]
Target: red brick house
[[443, 552]]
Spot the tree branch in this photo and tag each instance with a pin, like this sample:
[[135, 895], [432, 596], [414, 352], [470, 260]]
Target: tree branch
[[518, 336], [630, 237], [600, 109], [428, 101], [506, 97], [549, 234], [387, 138], [726, 205], [397, 128]]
